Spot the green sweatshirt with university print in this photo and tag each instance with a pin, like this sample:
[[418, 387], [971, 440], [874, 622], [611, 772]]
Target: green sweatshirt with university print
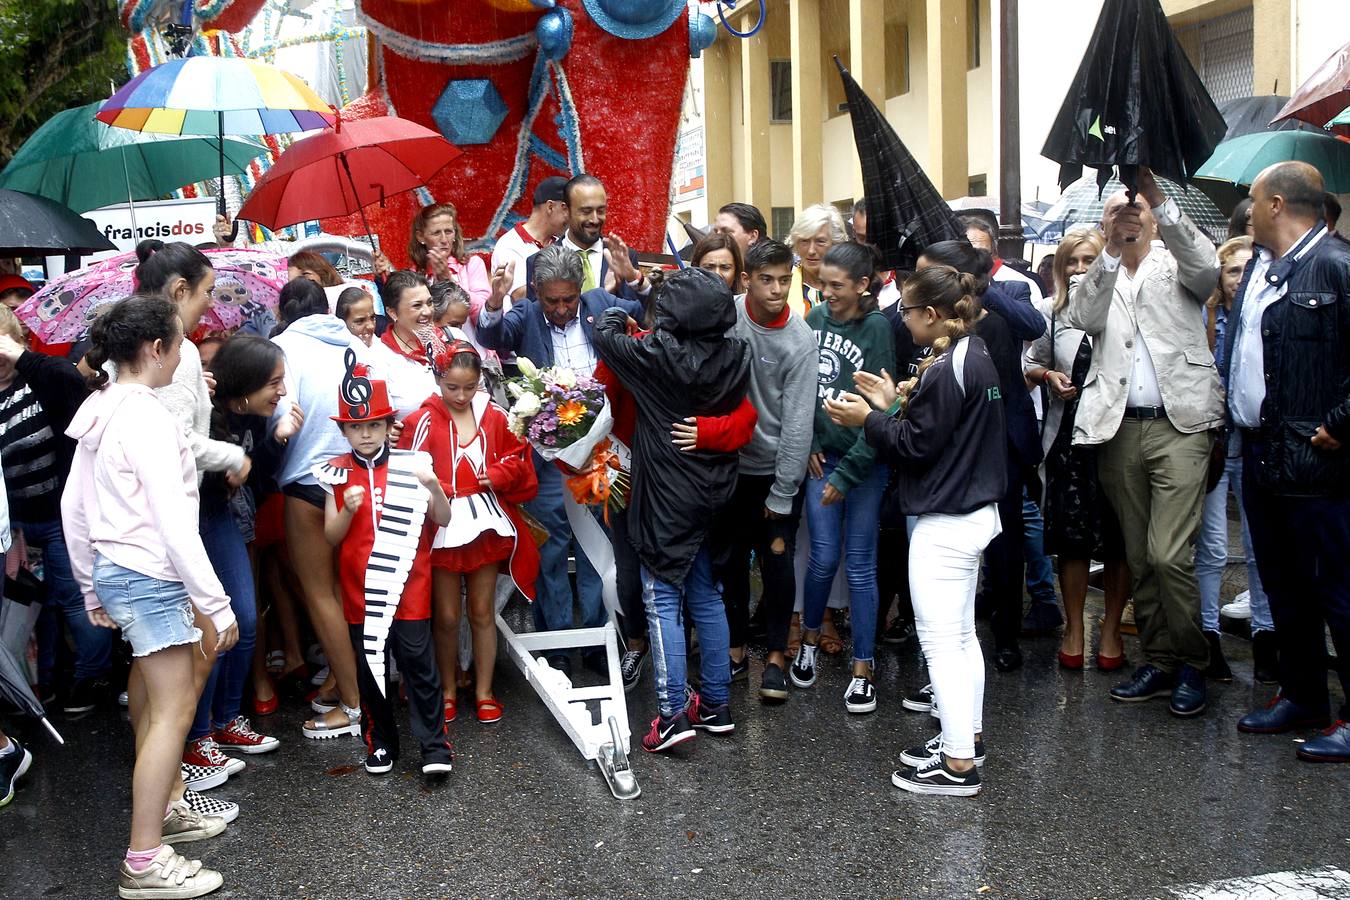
[[866, 344]]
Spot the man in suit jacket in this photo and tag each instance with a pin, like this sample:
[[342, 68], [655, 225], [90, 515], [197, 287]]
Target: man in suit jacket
[[607, 262], [1150, 401], [555, 327]]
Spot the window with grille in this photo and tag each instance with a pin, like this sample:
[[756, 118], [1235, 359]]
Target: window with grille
[[780, 90], [780, 221], [1220, 49]]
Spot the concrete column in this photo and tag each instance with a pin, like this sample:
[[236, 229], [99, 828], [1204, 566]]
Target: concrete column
[[807, 176], [755, 91], [867, 58], [717, 124], [1272, 57], [948, 165]]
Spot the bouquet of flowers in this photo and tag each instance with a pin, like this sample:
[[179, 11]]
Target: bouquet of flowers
[[567, 420]]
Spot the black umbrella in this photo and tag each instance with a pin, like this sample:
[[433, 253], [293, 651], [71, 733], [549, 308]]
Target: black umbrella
[[1136, 101], [31, 225], [1252, 115], [905, 213], [14, 689]]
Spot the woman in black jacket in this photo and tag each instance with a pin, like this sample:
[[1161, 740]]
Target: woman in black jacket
[[38, 397], [949, 448]]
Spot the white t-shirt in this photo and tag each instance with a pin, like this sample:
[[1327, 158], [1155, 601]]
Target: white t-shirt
[[515, 246]]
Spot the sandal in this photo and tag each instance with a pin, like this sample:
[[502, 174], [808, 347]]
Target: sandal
[[794, 642], [450, 710], [829, 641], [319, 729], [489, 710], [321, 704]]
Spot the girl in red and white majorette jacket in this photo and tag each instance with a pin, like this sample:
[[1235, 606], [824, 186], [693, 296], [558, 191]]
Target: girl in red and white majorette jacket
[[486, 471]]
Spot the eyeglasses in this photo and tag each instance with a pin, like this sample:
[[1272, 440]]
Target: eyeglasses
[[904, 309]]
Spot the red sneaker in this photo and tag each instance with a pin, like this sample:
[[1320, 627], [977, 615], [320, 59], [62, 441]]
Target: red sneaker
[[239, 735], [667, 733], [204, 753]]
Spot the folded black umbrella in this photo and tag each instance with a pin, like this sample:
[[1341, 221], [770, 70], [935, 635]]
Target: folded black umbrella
[[905, 212], [31, 225], [1136, 101], [14, 690]]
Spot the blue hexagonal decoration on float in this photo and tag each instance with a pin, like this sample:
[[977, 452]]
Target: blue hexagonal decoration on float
[[469, 111]]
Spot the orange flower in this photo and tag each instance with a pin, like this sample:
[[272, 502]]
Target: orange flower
[[571, 413]]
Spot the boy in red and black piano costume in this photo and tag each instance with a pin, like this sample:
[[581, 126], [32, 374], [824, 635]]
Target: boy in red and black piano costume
[[364, 494]]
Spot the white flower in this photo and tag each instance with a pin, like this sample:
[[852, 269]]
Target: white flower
[[526, 405], [514, 389], [516, 424], [565, 378], [527, 368]]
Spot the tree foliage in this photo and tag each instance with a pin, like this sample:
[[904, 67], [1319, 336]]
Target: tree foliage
[[54, 54]]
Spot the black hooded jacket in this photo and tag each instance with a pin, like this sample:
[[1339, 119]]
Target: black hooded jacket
[[687, 366]]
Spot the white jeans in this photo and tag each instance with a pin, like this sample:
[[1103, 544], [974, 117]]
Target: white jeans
[[944, 567]]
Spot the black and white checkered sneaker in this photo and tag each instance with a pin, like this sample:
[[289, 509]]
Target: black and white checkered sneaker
[[210, 806]]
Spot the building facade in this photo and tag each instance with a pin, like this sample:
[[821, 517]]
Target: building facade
[[776, 132]]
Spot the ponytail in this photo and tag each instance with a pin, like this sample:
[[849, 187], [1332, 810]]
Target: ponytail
[[173, 260], [118, 335], [953, 294]]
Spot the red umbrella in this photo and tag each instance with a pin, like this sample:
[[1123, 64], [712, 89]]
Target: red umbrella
[[337, 173], [1324, 96]]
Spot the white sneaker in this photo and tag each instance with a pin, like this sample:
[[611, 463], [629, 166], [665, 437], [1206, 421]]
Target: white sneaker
[[168, 875], [1240, 608]]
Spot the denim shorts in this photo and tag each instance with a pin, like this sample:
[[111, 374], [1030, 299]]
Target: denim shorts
[[152, 614]]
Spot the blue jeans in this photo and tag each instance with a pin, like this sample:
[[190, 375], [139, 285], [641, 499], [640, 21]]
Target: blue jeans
[[224, 689], [665, 604], [93, 645], [1211, 552], [1040, 573], [855, 521], [553, 603]]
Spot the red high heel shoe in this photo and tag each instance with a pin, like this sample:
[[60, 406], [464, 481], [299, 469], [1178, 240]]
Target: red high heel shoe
[[1074, 662], [1110, 663]]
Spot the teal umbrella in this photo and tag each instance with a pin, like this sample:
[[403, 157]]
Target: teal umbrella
[[1343, 118], [1240, 160], [84, 164]]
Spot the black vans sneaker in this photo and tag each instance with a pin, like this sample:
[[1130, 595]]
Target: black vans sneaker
[[632, 664], [861, 696], [379, 761], [917, 756], [935, 777], [666, 733], [920, 700], [716, 719], [773, 685], [803, 668]]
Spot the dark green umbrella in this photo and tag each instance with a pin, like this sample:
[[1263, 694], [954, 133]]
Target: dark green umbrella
[[32, 226], [84, 164], [1240, 160]]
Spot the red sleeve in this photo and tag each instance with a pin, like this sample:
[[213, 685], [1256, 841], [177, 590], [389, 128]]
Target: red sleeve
[[512, 469], [727, 434]]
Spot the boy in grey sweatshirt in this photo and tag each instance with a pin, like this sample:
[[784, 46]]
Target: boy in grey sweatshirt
[[764, 511]]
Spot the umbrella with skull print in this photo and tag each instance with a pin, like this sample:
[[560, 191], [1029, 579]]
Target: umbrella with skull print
[[248, 283]]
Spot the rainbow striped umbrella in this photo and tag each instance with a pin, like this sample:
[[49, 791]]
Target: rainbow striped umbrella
[[216, 95]]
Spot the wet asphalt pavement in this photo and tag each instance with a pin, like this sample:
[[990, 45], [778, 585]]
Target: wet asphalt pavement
[[1083, 798]]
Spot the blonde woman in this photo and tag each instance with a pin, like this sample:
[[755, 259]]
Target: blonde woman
[[1079, 523], [1211, 547], [816, 230]]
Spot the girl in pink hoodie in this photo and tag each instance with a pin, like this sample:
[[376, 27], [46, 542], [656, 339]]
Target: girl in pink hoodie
[[130, 509]]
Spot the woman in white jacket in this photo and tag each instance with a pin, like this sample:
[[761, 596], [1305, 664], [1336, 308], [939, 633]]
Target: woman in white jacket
[[130, 505]]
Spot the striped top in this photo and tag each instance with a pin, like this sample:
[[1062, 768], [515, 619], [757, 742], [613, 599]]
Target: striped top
[[28, 452]]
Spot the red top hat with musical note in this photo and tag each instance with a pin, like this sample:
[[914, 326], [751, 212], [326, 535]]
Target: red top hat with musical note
[[360, 398]]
